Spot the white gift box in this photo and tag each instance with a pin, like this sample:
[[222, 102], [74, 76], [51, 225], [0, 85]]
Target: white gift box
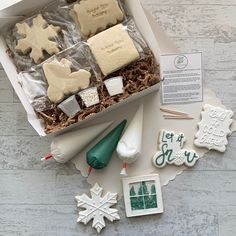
[[8, 3], [12, 11]]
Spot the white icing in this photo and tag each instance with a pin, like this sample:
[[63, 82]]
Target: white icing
[[171, 151], [65, 147], [214, 128], [129, 146]]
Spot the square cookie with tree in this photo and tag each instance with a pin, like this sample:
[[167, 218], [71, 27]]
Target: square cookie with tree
[[142, 195]]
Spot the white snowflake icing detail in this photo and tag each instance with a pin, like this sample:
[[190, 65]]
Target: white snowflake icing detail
[[97, 207], [179, 159]]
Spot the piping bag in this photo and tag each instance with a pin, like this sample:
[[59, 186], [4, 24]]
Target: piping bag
[[100, 155], [129, 146], [66, 146]]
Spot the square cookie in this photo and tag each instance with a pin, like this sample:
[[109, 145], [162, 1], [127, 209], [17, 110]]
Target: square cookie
[[96, 15], [142, 195], [113, 49]]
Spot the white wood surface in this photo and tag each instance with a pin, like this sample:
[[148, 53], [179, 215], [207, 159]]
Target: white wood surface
[[38, 198]]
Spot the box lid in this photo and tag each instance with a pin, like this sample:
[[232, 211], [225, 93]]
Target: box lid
[[12, 11], [8, 3], [20, 7]]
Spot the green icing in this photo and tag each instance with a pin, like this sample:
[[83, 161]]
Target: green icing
[[99, 156], [132, 192], [153, 189], [143, 199]]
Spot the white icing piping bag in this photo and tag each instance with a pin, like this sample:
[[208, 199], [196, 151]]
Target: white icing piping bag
[[66, 146], [129, 146]]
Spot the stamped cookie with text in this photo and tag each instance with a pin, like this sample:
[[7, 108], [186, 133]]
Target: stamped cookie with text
[[214, 128]]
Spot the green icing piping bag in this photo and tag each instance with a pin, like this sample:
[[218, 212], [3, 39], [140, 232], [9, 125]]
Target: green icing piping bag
[[99, 156]]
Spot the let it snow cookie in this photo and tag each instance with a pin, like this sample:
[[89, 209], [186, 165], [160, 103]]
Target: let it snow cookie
[[96, 15], [172, 152], [37, 38], [214, 128]]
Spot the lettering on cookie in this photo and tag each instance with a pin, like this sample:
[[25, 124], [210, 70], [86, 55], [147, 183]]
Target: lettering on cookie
[[113, 49], [97, 15], [171, 151], [62, 81], [214, 128], [37, 38]]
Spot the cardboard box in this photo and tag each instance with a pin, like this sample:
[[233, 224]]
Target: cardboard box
[[14, 11]]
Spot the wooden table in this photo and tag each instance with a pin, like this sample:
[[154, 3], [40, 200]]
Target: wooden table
[[38, 198]]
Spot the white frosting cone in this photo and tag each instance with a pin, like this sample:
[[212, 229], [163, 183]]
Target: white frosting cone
[[129, 146], [66, 146]]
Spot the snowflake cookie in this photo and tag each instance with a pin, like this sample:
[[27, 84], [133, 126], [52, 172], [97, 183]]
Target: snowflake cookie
[[214, 128], [97, 207], [172, 152], [37, 38]]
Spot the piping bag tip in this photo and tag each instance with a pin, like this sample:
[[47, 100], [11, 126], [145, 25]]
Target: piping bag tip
[[89, 171], [123, 172], [47, 157]]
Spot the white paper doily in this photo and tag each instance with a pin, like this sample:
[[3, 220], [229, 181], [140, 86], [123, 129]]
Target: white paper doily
[[109, 177]]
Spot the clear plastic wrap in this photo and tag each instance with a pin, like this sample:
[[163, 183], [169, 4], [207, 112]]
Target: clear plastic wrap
[[66, 64], [97, 15], [137, 38], [60, 32], [117, 47]]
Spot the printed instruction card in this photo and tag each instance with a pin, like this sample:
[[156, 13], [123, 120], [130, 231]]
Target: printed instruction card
[[182, 78]]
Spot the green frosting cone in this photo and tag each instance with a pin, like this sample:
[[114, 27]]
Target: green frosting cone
[[99, 156]]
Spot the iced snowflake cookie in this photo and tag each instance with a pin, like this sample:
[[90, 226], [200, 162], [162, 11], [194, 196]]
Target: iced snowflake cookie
[[172, 152], [62, 81], [37, 38], [97, 207], [214, 128], [97, 15]]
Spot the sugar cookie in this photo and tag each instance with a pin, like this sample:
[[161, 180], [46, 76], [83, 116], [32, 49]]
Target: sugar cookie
[[37, 38], [96, 15], [62, 81], [113, 49], [214, 128], [172, 152]]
